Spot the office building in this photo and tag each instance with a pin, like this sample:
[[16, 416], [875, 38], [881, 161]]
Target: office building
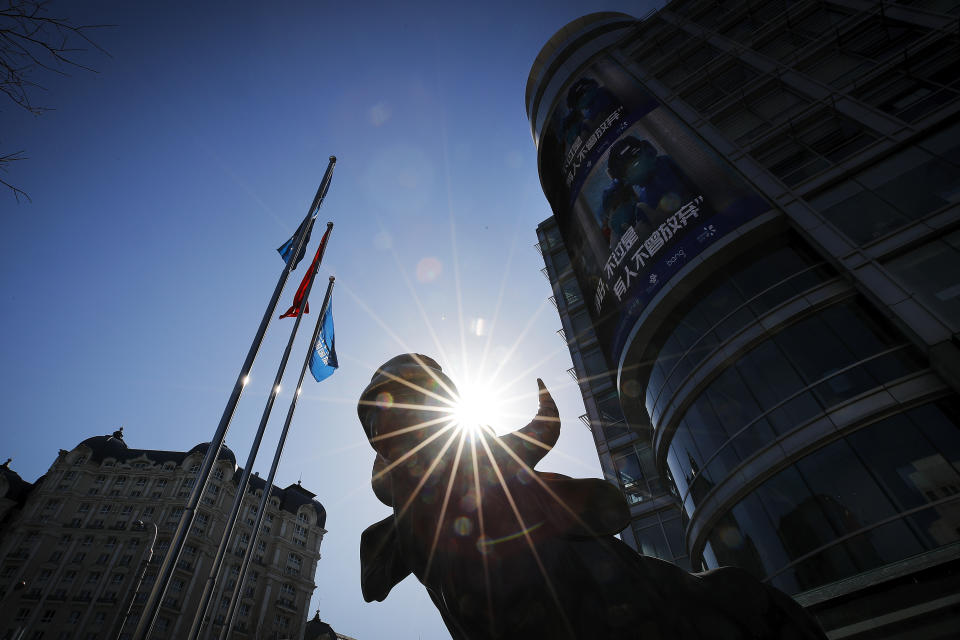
[[760, 205], [626, 455], [73, 557]]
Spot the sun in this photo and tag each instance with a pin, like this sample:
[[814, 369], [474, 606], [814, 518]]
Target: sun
[[476, 406]]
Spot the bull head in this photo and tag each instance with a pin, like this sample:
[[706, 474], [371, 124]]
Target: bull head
[[459, 496]]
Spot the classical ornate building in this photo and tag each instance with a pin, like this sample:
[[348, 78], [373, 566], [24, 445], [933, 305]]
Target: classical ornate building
[[74, 556]]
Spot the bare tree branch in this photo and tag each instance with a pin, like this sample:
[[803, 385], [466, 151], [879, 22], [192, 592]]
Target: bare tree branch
[[4, 161], [34, 43]]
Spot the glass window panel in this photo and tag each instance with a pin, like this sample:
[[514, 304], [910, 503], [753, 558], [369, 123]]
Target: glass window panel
[[612, 431], [874, 38], [570, 292], [703, 96], [673, 531], [561, 262], [922, 190], [771, 378], [630, 476], [813, 348], [752, 439], [685, 334], [647, 465], [894, 365], [699, 488], [740, 124], [732, 324], [582, 326], [863, 332], [847, 493], [937, 526], [754, 524], [767, 271], [733, 404], [677, 471], [932, 272], [865, 217], [651, 542], [709, 558], [685, 366], [938, 422], [705, 428], [736, 75], [786, 581], [841, 386], [778, 103], [783, 44], [609, 408], [907, 466], [595, 363], [794, 412], [945, 143], [831, 564], [654, 385], [718, 303], [553, 238], [722, 463], [797, 517], [822, 19], [732, 548], [688, 458], [836, 67]]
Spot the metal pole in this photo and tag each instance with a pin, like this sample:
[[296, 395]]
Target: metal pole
[[152, 607], [143, 572], [245, 564], [217, 565]]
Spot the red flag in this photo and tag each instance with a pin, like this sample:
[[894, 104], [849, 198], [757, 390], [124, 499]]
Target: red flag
[[299, 298]]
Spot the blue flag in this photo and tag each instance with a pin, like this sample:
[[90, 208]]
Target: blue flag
[[323, 360], [286, 249]]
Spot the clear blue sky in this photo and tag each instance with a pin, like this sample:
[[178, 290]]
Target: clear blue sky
[[132, 285]]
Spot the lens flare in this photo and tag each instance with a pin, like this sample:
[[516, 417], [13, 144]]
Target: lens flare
[[476, 406]]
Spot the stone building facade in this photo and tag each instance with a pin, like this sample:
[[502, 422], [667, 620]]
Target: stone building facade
[[75, 547]]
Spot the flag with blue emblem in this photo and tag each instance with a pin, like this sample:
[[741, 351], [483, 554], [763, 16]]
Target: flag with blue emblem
[[286, 249], [323, 360]]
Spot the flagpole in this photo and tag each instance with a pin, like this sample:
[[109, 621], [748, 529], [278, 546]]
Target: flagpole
[[245, 563], [230, 526], [152, 607]]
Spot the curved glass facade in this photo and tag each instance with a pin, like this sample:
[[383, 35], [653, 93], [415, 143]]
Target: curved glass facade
[[880, 494], [789, 341], [799, 373], [749, 292]]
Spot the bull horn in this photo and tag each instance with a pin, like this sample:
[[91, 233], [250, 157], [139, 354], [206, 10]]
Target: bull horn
[[533, 441]]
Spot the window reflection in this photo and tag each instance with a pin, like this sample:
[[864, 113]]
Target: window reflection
[[801, 372], [883, 493], [637, 473], [661, 535], [904, 187], [723, 310]]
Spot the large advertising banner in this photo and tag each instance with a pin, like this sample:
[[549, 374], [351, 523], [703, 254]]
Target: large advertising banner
[[636, 196]]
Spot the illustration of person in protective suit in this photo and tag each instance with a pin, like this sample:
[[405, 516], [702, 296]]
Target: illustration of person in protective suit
[[589, 104], [645, 189]]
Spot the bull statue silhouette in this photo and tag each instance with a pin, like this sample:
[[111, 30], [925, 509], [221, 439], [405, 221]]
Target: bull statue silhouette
[[507, 552]]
